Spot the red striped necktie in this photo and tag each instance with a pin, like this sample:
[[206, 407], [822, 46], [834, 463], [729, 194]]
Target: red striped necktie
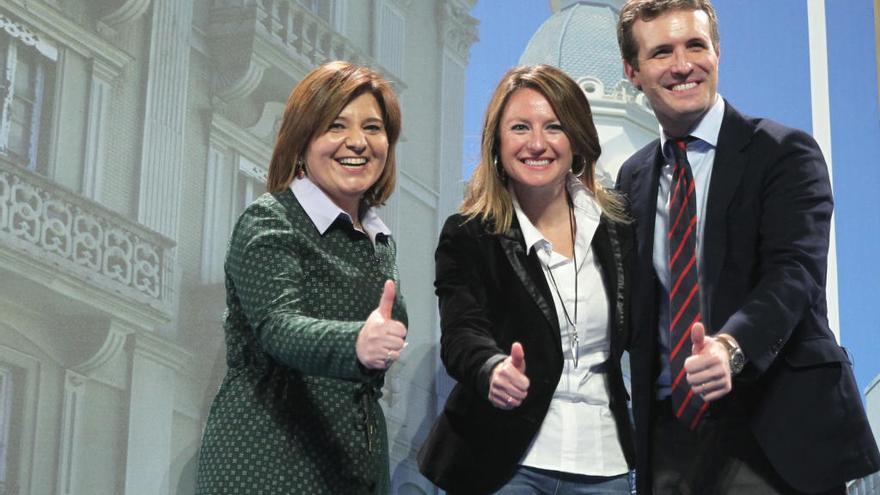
[[684, 293]]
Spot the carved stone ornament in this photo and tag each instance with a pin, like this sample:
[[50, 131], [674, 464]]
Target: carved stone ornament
[[28, 38], [458, 30], [117, 13], [84, 239], [271, 43]]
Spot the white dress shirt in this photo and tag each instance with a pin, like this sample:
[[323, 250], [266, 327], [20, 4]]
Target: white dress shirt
[[322, 211], [578, 434], [701, 156]]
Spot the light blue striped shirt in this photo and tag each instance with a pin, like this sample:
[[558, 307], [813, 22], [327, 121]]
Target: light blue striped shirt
[[701, 156]]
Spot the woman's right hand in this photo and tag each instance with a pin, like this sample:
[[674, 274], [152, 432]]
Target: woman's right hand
[[380, 341], [509, 385]]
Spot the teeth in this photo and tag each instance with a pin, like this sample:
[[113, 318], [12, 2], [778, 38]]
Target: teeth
[[536, 163], [684, 86], [352, 161]]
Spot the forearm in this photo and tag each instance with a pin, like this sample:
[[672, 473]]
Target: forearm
[[312, 346], [793, 236], [466, 343]]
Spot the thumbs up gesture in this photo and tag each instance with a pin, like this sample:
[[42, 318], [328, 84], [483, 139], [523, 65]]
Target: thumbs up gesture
[[509, 385], [708, 367], [380, 340]]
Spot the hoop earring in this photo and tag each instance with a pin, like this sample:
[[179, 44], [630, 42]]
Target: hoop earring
[[579, 173], [499, 169]]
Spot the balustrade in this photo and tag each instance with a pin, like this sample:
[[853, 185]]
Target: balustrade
[[71, 232]]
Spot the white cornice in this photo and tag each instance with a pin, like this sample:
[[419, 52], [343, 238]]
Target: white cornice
[[227, 134], [65, 32]]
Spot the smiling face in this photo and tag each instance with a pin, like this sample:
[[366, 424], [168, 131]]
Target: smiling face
[[677, 68], [534, 150], [348, 158]]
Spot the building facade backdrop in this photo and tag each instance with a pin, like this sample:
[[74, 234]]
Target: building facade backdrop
[[132, 133]]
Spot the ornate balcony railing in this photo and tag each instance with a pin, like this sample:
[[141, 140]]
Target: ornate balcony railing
[[82, 238], [250, 36], [294, 27]]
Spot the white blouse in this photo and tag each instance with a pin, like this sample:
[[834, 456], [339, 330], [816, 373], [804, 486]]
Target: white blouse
[[578, 434]]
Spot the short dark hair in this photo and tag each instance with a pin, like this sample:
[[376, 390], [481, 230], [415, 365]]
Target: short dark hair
[[647, 10]]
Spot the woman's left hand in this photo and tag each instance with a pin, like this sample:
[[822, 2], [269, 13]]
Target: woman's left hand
[[380, 340], [509, 385]]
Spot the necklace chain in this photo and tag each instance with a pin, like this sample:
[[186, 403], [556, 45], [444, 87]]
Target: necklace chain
[[572, 325]]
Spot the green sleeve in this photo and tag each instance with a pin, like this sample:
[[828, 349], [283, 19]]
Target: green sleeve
[[264, 271]]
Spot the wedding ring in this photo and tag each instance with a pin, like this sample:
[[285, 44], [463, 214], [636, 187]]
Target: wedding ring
[[509, 398], [388, 359]]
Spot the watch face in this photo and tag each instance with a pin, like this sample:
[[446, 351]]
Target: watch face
[[737, 361]]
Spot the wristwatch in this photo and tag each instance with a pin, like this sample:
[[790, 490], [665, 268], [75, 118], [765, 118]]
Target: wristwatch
[[737, 358]]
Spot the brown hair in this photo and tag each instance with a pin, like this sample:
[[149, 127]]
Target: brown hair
[[313, 105], [648, 10], [487, 196]]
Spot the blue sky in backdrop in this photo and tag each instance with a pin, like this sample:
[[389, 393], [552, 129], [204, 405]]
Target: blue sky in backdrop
[[764, 70]]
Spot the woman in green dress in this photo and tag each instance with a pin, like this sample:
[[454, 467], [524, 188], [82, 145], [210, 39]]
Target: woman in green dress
[[313, 318]]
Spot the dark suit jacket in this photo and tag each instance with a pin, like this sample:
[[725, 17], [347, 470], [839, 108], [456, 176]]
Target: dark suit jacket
[[764, 259], [492, 294]]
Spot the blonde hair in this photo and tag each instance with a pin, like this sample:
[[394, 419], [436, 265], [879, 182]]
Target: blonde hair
[[487, 197], [314, 103]]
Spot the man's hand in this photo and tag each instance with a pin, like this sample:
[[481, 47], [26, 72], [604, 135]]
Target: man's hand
[[708, 367], [509, 384]]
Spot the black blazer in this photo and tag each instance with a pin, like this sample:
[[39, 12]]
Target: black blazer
[[492, 294], [764, 257]]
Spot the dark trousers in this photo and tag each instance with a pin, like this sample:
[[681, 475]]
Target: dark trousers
[[720, 457]]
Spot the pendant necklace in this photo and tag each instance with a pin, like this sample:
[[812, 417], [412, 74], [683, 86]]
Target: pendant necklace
[[572, 328]]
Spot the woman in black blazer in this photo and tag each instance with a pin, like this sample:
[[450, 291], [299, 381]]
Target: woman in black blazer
[[532, 279]]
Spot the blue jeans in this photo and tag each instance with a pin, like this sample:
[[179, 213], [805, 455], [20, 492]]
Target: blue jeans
[[533, 481]]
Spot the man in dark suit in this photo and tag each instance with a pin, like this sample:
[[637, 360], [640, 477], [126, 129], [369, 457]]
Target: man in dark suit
[[739, 384]]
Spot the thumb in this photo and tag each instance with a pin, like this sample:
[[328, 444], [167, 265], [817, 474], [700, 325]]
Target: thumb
[[387, 300], [698, 335], [518, 357]]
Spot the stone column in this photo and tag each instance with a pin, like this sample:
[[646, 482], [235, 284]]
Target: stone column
[[164, 116], [154, 366], [71, 432], [457, 33]]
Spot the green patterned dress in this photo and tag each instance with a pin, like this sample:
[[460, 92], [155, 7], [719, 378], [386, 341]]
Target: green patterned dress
[[297, 413]]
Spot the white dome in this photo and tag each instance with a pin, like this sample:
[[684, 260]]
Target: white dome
[[581, 39]]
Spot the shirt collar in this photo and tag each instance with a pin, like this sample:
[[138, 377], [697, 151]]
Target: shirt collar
[[707, 129], [322, 211], [585, 206]]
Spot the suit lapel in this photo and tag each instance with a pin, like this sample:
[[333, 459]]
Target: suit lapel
[[727, 170], [643, 197], [528, 270], [609, 246]]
